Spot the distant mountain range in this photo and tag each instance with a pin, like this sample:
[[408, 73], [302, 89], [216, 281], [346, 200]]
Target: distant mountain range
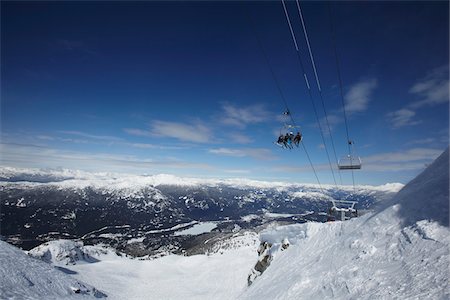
[[42, 205]]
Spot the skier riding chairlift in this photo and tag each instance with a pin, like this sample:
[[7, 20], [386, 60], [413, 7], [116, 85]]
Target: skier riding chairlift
[[297, 138]]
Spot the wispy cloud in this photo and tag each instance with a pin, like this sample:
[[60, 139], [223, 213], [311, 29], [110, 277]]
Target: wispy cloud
[[196, 132], [257, 153], [45, 137], [431, 90], [356, 101], [138, 132], [333, 121], [49, 138], [301, 168], [422, 141], [240, 138], [36, 156], [414, 154], [407, 160], [402, 117], [243, 116], [358, 97], [153, 146], [75, 45], [143, 145], [237, 171], [93, 136]]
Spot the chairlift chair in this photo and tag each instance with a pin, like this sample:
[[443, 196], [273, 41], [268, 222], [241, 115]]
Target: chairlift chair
[[349, 163], [342, 210]]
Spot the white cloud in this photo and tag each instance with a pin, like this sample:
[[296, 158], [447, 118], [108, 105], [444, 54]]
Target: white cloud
[[257, 153], [414, 154], [423, 141], [153, 146], [408, 160], [333, 120], [143, 145], [402, 117], [242, 116], [137, 132], [45, 137], [61, 139], [302, 168], [358, 97], [237, 171], [92, 136], [433, 89], [43, 157], [240, 138], [196, 132]]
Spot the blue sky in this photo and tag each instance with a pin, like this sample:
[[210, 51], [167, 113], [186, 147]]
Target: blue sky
[[183, 87]]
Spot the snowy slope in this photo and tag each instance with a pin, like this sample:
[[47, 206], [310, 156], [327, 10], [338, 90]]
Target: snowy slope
[[220, 275], [23, 277], [399, 252]]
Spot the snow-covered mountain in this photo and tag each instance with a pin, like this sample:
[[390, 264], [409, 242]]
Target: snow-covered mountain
[[399, 252], [43, 205], [23, 277]]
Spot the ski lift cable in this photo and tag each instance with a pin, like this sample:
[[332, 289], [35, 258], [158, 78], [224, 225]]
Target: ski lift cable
[[280, 92], [309, 89], [333, 41], [317, 79]]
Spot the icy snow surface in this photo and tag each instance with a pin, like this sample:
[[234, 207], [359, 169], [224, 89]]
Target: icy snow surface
[[399, 252]]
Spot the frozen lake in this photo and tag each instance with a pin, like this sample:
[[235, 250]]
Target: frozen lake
[[199, 228]]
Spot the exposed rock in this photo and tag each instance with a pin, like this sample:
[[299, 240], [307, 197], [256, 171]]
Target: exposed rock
[[263, 262]]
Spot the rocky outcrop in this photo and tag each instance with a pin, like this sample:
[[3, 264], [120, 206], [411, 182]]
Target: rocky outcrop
[[264, 259]]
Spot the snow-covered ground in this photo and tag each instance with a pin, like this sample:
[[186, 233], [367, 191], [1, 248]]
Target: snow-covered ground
[[220, 275], [399, 252], [23, 277]]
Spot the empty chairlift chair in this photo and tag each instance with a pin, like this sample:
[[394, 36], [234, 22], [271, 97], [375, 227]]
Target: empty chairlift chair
[[351, 161]]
